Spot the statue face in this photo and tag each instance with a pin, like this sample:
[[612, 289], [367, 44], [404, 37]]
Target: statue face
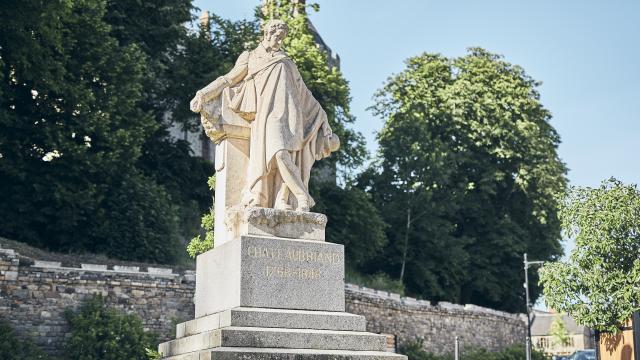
[[275, 35]]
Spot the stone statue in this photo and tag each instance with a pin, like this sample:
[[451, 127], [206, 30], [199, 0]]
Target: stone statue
[[289, 130]]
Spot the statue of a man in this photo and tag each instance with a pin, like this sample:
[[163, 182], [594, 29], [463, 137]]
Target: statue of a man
[[289, 128]]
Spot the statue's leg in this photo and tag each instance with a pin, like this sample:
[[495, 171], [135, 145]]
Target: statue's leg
[[292, 179], [282, 198]]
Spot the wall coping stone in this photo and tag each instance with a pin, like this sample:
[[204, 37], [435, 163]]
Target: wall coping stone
[[95, 267], [442, 305], [122, 268], [187, 275], [46, 264]]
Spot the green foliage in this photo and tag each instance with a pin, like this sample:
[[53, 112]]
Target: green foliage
[[136, 221], [465, 177], [559, 331], [198, 245], [204, 242], [153, 354], [157, 28], [598, 285], [72, 128], [415, 351], [14, 347], [102, 333], [354, 222], [379, 281]]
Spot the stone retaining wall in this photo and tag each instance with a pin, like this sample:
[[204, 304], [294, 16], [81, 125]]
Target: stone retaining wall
[[34, 295], [436, 325]]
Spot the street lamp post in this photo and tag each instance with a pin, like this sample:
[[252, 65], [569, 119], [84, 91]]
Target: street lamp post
[[526, 287]]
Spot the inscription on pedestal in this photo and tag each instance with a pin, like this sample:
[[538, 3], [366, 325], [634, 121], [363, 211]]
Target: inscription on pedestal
[[273, 273], [304, 264]]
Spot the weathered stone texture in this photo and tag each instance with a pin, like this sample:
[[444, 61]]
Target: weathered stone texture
[[410, 319], [34, 298]]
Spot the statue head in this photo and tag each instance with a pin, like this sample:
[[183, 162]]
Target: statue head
[[274, 33]]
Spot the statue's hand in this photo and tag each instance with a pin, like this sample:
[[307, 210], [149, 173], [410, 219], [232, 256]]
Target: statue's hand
[[196, 103]]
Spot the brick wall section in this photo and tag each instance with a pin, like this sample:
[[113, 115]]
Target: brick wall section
[[35, 294], [437, 325]]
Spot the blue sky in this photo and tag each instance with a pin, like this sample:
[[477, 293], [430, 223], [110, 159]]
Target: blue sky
[[586, 53]]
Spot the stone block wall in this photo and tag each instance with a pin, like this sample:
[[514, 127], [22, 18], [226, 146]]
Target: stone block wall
[[34, 295], [436, 325]]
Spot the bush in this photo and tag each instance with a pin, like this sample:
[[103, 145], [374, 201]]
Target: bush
[[101, 333], [379, 281], [13, 347], [204, 241], [137, 221], [415, 351]]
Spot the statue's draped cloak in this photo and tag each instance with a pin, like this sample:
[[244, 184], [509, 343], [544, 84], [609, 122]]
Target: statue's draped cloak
[[287, 118]]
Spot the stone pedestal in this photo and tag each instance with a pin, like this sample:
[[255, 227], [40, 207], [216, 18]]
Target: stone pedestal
[[263, 296], [270, 273]]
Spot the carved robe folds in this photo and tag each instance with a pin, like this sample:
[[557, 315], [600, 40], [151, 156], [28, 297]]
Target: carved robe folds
[[282, 114]]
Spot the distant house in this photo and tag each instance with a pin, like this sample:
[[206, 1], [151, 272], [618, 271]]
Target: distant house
[[580, 337]]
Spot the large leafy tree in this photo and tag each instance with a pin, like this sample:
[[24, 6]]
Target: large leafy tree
[[71, 131], [599, 284], [158, 29], [466, 177]]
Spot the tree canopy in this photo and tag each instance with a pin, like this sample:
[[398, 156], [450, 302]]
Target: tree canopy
[[88, 91], [465, 178], [599, 284], [71, 131]]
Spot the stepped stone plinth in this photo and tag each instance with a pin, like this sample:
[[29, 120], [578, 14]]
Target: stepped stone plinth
[[274, 298]]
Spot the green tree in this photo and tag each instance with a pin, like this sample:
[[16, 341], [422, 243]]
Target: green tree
[[157, 29], [72, 129], [558, 331], [465, 177], [598, 285], [102, 333], [354, 221]]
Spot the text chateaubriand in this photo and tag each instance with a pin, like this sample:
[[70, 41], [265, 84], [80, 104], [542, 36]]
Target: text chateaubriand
[[296, 256]]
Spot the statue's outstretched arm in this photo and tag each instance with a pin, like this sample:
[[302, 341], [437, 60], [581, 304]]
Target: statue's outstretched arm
[[214, 89]]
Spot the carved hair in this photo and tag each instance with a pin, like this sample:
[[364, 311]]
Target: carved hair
[[272, 25]]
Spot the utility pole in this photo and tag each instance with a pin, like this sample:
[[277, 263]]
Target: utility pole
[[526, 287], [456, 349]]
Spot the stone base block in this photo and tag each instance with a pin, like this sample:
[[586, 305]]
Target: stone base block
[[275, 338], [276, 334], [273, 318], [235, 353], [270, 273]]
